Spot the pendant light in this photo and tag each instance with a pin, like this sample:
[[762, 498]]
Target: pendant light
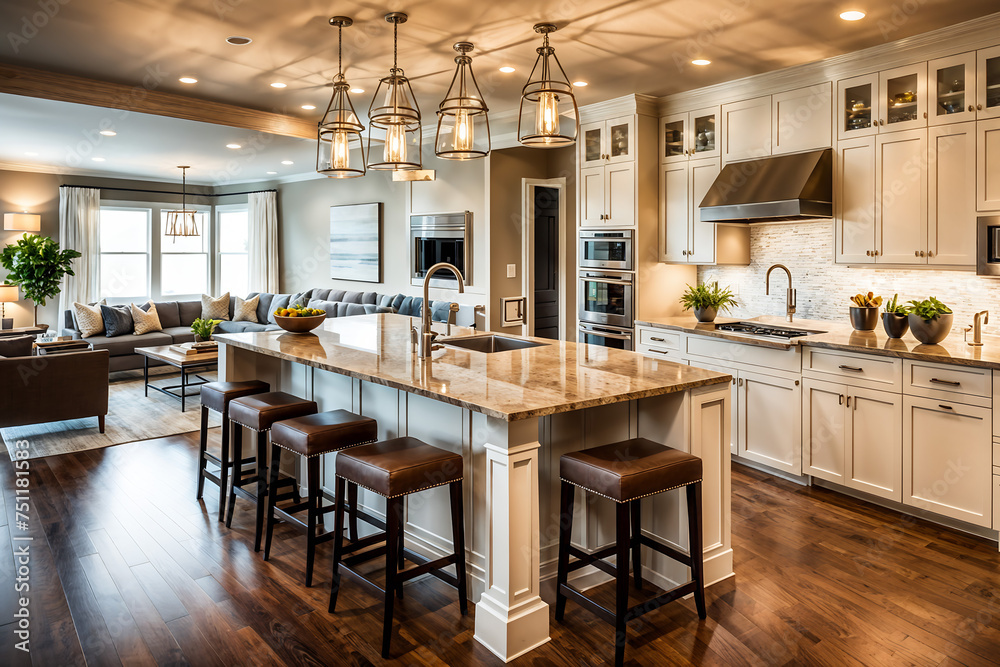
[[463, 131], [340, 130], [183, 222], [548, 87], [398, 117]]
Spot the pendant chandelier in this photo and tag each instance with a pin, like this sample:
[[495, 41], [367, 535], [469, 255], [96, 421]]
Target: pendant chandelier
[[340, 130], [547, 87], [183, 222], [463, 131], [398, 117]]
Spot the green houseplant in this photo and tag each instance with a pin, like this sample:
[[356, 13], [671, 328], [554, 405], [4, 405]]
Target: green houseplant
[[707, 299], [37, 265], [202, 329], [930, 320], [894, 318]]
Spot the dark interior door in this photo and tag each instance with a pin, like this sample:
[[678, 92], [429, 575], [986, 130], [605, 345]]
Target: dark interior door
[[546, 295]]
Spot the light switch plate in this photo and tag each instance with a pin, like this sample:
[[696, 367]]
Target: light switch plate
[[512, 270]]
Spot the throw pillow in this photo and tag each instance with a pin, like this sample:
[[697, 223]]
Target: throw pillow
[[88, 318], [246, 309], [215, 309], [277, 303], [16, 346], [117, 320], [145, 321]]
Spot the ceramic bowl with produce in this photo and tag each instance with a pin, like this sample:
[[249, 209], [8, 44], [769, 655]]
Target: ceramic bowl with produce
[[298, 319]]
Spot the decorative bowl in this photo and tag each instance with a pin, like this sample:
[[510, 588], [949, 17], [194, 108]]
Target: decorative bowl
[[895, 325], [933, 332], [864, 319], [299, 324]]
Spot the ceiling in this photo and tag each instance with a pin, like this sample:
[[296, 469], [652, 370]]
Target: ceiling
[[617, 46]]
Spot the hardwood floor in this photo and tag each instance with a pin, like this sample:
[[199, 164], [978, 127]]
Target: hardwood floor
[[127, 568]]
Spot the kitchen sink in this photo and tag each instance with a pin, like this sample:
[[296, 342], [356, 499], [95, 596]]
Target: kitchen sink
[[489, 343]]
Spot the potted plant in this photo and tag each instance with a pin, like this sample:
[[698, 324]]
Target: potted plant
[[894, 318], [930, 320], [37, 265], [202, 329], [707, 299], [864, 312]]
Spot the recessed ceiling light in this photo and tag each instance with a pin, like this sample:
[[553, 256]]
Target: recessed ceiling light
[[31, 154], [271, 173], [233, 146], [580, 84], [278, 84], [109, 133], [97, 159], [357, 91], [308, 107], [507, 69], [701, 61], [238, 40], [852, 15], [287, 162], [188, 79]]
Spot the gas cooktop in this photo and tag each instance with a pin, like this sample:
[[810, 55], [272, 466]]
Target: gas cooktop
[[764, 330]]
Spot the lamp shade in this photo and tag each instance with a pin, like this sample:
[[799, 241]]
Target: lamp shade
[[22, 222], [8, 293]]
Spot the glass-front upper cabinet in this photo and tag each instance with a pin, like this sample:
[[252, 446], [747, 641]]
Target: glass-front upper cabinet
[[903, 98], [988, 83], [689, 135], [673, 138], [857, 108], [953, 89], [607, 141]]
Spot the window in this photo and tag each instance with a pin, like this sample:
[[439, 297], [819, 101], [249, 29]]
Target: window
[[124, 234], [234, 244], [184, 260]]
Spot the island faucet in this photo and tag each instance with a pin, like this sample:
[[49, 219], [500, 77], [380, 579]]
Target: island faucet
[[426, 342], [789, 294], [978, 320]]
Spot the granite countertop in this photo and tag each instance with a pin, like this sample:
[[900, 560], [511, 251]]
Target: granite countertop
[[841, 336], [519, 384]]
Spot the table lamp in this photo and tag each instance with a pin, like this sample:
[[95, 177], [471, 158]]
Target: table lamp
[[8, 294]]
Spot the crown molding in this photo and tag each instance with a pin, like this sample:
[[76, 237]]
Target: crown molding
[[89, 173], [636, 103]]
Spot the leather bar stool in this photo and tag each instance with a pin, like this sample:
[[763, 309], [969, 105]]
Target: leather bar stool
[[626, 472], [216, 396], [310, 437], [394, 469], [258, 413]]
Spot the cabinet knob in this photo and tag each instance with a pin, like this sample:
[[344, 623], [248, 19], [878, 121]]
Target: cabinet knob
[[868, 253], [921, 253], [684, 252], [925, 114], [930, 253], [916, 253], [972, 108], [881, 122], [875, 253], [979, 107]]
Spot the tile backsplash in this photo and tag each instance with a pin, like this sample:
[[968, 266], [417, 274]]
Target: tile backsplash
[[824, 289]]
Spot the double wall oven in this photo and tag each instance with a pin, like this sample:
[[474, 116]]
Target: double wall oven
[[606, 301]]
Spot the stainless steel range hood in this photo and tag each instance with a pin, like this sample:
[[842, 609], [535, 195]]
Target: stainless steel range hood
[[772, 189]]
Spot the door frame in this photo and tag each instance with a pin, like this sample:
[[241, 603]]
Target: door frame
[[528, 186]]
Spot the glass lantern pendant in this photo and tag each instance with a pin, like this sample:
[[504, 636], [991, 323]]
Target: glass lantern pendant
[[549, 95], [397, 118], [463, 131], [183, 222], [340, 130]]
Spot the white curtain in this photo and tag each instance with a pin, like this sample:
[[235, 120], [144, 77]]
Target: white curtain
[[264, 242], [79, 229]]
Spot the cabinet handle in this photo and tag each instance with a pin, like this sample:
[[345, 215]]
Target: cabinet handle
[[684, 252], [972, 108], [925, 114], [979, 107], [796, 383], [856, 369], [659, 351], [945, 407], [876, 253], [741, 382], [916, 253], [848, 401], [841, 399], [658, 340], [921, 253], [930, 253], [868, 253], [950, 383], [881, 122], [734, 380]]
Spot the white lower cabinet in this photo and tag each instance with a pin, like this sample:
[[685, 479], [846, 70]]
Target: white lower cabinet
[[769, 419], [947, 459]]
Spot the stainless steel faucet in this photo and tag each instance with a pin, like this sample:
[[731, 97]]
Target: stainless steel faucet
[[789, 294], [427, 336], [978, 320]]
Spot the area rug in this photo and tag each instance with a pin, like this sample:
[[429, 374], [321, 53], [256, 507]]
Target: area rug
[[131, 417]]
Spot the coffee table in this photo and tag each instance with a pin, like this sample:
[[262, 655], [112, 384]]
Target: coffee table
[[188, 365]]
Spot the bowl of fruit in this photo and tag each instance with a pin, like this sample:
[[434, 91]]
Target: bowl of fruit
[[298, 319]]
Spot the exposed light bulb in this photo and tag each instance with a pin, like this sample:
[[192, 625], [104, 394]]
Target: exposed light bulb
[[547, 115], [395, 144], [462, 134], [340, 150]]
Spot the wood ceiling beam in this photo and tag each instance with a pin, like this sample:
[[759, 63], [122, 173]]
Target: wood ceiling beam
[[144, 98]]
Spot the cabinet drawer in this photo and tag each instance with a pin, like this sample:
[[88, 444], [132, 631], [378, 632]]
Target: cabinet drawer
[[947, 381], [722, 351], [859, 369], [658, 338], [656, 352]]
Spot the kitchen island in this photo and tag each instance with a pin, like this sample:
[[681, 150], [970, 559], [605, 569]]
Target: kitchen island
[[511, 415]]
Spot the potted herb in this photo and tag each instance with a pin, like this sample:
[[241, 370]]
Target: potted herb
[[37, 265], [894, 318], [930, 320], [707, 299], [202, 329], [864, 312]]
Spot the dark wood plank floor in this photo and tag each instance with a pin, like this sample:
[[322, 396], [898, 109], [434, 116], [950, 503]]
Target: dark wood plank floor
[[127, 568]]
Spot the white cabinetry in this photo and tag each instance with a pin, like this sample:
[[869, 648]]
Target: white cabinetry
[[854, 203], [746, 129], [607, 141], [951, 196], [607, 174], [801, 119], [692, 134], [988, 168], [988, 83], [886, 101], [769, 420]]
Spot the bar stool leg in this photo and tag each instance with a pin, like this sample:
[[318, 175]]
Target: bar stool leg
[[393, 510], [225, 465], [261, 487], [458, 537], [565, 534], [636, 513], [202, 449], [272, 500], [338, 542], [621, 580], [697, 548], [312, 513], [237, 471], [352, 501]]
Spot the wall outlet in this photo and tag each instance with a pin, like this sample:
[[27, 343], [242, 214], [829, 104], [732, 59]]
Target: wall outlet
[[512, 270]]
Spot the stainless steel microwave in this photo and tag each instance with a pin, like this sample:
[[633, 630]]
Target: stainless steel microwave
[[606, 250], [443, 237], [988, 246]]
